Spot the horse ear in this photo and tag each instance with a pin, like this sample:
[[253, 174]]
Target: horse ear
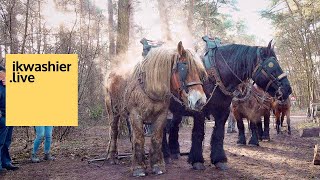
[[269, 48], [181, 50], [272, 47]]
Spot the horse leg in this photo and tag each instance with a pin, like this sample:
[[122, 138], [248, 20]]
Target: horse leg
[[165, 145], [138, 157], [112, 148], [195, 155], [230, 124], [254, 135], [174, 136], [241, 135], [266, 134], [282, 118], [288, 121], [218, 156], [156, 156], [278, 122], [260, 129]]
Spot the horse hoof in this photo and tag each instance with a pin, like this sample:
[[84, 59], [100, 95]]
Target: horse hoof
[[266, 139], [222, 166], [157, 170], [167, 160], [175, 156], [113, 161], [253, 144], [139, 172], [198, 166], [240, 144], [289, 132]]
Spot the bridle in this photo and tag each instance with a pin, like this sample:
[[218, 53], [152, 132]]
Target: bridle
[[263, 68], [179, 77]]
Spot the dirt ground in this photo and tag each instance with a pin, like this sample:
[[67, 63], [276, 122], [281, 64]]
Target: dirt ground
[[284, 157]]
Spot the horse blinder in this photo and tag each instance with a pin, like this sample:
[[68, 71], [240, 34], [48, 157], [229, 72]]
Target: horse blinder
[[265, 68], [182, 70]]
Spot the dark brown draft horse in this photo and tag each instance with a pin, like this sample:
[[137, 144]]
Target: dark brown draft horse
[[252, 103], [227, 67], [145, 95], [281, 109]]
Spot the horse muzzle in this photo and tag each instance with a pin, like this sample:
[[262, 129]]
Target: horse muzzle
[[283, 93], [196, 100]]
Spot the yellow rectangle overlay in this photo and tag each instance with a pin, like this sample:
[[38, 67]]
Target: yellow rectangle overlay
[[42, 90]]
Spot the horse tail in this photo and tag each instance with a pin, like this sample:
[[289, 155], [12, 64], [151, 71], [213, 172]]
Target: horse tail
[[108, 105]]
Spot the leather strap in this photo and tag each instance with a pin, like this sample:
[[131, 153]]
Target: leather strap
[[281, 76]]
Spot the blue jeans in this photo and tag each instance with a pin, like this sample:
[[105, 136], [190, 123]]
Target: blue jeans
[[42, 131], [5, 141]]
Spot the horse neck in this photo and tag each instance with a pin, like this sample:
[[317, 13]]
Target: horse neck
[[236, 61]]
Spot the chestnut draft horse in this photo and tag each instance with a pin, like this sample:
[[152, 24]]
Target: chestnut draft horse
[[227, 67], [281, 109], [145, 95], [252, 103]]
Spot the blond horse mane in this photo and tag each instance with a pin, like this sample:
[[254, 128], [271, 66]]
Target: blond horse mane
[[158, 66]]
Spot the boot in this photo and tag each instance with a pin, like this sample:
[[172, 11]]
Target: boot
[[48, 157], [34, 158]]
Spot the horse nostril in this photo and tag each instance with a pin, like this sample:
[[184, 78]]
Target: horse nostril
[[199, 103]]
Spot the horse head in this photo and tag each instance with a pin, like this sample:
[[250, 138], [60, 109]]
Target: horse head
[[269, 75], [186, 79]]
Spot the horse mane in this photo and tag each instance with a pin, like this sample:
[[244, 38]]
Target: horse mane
[[241, 58], [157, 68]]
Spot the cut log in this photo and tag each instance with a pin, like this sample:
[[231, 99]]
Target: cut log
[[310, 132], [316, 159]]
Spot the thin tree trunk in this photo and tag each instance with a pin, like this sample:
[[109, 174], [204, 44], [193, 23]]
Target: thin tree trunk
[[164, 20], [13, 28], [25, 28], [111, 29], [39, 28], [190, 15]]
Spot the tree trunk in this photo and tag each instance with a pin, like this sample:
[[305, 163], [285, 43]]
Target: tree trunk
[[111, 29], [190, 15], [164, 20], [39, 29], [25, 28], [124, 10], [13, 28]]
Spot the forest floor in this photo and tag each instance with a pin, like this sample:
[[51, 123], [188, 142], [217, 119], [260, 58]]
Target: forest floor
[[284, 157]]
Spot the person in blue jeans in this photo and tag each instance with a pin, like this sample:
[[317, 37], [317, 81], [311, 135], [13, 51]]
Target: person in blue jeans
[[5, 131], [46, 132]]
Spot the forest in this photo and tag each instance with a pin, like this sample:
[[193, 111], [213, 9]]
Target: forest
[[106, 33], [98, 31]]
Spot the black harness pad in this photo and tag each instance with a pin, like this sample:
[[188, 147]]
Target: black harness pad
[[211, 47]]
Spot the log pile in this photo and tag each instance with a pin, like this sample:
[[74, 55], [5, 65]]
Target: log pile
[[310, 132]]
